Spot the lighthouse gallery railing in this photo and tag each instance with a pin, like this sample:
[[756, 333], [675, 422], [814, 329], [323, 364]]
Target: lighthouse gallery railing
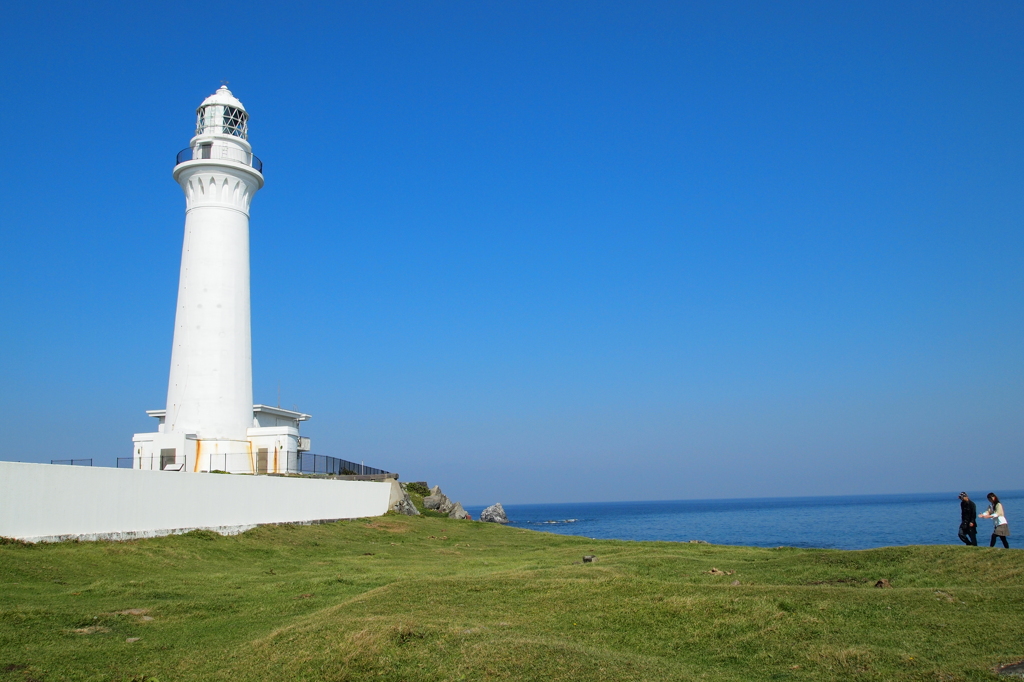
[[219, 154]]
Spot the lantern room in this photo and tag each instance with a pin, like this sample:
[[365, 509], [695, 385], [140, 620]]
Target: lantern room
[[222, 114], [222, 133]]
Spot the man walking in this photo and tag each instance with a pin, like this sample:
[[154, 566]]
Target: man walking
[[968, 514]]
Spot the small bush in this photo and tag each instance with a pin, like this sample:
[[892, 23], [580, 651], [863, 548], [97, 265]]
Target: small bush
[[418, 488], [348, 472]]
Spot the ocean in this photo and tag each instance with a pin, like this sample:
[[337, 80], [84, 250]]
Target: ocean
[[842, 522]]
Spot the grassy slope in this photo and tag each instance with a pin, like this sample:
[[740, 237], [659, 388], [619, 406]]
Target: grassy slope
[[400, 598]]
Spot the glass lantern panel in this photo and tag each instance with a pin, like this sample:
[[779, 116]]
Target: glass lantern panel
[[235, 122]]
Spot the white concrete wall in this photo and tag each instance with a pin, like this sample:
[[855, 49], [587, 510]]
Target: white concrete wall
[[49, 502]]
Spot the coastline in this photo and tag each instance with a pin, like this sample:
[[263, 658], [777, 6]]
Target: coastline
[[826, 522]]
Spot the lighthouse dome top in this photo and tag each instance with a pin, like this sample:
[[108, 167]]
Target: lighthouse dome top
[[222, 114], [223, 96]]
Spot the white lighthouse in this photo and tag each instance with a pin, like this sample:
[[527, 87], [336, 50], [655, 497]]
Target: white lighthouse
[[210, 422]]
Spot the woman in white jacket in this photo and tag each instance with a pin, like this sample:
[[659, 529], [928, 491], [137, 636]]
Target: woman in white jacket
[[998, 515]]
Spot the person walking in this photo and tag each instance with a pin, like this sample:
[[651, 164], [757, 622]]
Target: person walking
[[998, 516], [968, 515]]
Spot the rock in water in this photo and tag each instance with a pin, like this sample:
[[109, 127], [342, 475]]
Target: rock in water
[[495, 514], [457, 512]]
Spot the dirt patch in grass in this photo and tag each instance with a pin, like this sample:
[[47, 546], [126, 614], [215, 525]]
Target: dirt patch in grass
[[91, 630], [389, 527]]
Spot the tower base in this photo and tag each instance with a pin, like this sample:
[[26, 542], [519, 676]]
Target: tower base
[[271, 446], [187, 452]]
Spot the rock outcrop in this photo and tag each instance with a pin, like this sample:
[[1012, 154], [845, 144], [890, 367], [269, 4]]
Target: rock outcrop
[[438, 501], [457, 512], [495, 514], [405, 506], [400, 501]]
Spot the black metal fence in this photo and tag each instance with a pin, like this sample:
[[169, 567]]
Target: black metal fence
[[73, 462], [325, 464]]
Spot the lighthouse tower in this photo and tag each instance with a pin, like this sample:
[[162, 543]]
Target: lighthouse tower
[[209, 393], [210, 422]]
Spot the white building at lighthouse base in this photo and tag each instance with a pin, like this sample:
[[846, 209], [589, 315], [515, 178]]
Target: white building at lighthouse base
[[272, 446]]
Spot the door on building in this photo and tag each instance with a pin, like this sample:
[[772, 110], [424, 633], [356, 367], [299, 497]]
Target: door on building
[[167, 456], [261, 461]]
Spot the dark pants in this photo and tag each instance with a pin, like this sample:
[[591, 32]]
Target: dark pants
[[1001, 537], [968, 533]]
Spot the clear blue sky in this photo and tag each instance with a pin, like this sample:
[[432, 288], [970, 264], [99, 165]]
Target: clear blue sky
[[542, 252]]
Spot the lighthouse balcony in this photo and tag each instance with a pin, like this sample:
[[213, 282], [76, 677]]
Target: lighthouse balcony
[[219, 153]]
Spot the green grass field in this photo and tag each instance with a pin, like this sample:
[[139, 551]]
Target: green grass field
[[426, 598]]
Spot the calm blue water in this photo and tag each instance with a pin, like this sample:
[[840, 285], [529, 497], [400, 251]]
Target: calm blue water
[[850, 522]]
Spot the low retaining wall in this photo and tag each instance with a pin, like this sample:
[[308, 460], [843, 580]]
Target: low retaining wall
[[51, 502]]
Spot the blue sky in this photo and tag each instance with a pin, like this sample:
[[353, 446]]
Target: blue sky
[[542, 252]]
